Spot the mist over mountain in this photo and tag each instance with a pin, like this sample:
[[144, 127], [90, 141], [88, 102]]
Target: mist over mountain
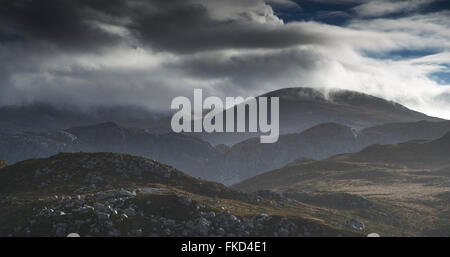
[[41, 117], [302, 108], [351, 112]]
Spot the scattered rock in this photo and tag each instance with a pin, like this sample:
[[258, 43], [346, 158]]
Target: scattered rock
[[356, 224]]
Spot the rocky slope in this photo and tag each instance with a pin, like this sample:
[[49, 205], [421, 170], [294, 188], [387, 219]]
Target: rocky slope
[[408, 182], [106, 194]]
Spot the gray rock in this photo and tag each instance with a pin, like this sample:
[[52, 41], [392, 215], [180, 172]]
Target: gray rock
[[101, 196], [52, 198], [185, 200], [220, 231], [100, 207], [103, 216], [124, 193], [138, 232], [201, 226], [129, 212], [356, 224], [114, 233], [61, 229], [282, 232]]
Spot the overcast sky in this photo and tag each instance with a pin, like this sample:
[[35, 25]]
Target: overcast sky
[[138, 52]]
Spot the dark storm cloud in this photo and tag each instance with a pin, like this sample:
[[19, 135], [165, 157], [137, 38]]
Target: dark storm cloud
[[251, 69], [176, 26], [58, 23], [106, 52], [189, 27]]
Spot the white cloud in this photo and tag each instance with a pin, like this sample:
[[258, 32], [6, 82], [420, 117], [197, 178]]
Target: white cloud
[[279, 55], [379, 8]]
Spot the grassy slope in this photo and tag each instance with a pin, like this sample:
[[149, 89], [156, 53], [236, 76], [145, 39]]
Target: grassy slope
[[408, 183]]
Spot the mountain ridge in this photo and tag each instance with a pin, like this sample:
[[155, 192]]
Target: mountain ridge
[[304, 107]]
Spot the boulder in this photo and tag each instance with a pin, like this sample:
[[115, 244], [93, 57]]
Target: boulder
[[356, 224]]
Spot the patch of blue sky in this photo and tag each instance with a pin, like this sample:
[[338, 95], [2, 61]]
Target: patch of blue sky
[[401, 54], [443, 76], [329, 13]]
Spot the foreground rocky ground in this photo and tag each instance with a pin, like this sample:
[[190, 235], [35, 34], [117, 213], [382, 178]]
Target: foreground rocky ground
[[106, 194]]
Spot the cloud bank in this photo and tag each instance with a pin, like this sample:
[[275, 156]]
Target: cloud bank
[[147, 52]]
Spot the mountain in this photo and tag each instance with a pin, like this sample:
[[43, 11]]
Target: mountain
[[250, 158], [40, 117], [181, 151], [405, 131], [107, 194], [409, 182], [302, 108], [221, 163], [422, 154]]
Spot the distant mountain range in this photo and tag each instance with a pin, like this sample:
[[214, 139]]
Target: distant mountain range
[[300, 109], [41, 117], [200, 159], [422, 156], [250, 158], [179, 150], [345, 163]]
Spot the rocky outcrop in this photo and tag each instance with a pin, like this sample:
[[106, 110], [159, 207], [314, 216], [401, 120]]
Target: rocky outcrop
[[127, 212]]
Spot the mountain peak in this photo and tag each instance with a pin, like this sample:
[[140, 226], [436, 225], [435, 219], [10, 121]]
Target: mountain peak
[[331, 95], [299, 93]]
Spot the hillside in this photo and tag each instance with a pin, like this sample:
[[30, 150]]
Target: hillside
[[107, 194], [184, 152], [250, 157], [408, 181]]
